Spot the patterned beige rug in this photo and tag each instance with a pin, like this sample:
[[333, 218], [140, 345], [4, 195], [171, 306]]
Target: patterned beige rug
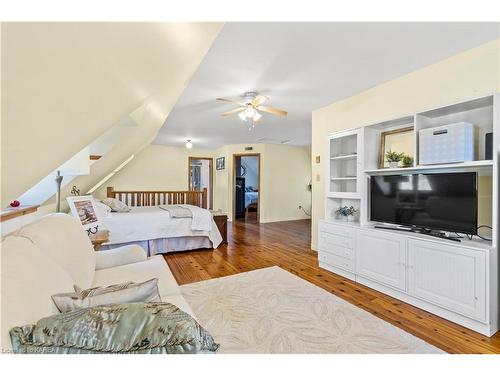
[[273, 311]]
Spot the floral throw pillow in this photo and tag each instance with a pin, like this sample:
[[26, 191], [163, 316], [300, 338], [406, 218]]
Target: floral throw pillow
[[152, 327]]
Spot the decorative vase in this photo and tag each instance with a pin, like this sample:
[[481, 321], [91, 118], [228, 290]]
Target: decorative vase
[[393, 164]]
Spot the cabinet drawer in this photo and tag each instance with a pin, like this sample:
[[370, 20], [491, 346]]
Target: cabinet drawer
[[337, 250], [328, 240], [336, 261], [338, 230]]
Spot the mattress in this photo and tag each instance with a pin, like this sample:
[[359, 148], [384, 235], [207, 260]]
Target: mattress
[[153, 223]]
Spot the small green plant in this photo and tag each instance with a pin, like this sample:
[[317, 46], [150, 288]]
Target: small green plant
[[407, 161], [393, 156], [346, 211]]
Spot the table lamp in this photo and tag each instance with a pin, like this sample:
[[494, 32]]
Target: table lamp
[[76, 166]]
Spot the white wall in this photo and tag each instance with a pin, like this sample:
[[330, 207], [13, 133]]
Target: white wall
[[286, 171], [473, 73], [65, 84]]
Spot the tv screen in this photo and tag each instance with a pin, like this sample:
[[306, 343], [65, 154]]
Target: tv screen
[[441, 201]]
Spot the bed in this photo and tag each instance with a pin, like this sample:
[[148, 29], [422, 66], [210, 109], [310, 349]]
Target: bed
[[152, 227], [251, 198]]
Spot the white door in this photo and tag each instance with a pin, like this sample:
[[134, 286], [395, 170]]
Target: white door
[[381, 257], [448, 276]]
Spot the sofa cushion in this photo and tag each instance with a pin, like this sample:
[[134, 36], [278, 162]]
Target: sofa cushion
[[29, 278], [119, 328], [62, 238], [106, 295], [179, 301], [139, 272]]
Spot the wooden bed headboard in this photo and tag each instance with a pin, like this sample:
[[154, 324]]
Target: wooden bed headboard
[[155, 198]]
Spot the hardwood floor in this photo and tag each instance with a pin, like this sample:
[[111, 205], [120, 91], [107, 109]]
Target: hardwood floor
[[287, 245]]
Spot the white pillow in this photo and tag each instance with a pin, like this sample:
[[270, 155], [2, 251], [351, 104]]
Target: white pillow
[[116, 205], [128, 292], [102, 210]]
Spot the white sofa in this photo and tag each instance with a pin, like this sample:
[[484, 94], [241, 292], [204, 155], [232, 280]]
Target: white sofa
[[51, 255]]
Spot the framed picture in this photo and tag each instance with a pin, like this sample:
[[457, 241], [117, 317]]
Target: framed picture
[[220, 163], [399, 140], [83, 209]]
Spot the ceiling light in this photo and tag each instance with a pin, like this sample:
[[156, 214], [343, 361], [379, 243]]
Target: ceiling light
[[257, 116], [242, 116], [250, 112], [189, 144]]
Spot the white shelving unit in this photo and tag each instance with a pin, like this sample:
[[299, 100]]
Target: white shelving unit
[[401, 264], [344, 170]]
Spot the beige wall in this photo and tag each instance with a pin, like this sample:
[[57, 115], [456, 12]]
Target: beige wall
[[65, 84], [470, 74], [155, 168], [285, 173]]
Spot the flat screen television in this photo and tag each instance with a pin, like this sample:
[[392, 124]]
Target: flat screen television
[[440, 201]]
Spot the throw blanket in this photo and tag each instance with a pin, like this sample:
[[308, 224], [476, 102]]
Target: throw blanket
[[202, 219], [176, 211]]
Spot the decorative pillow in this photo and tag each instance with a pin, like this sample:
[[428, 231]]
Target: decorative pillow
[[121, 328], [120, 293], [103, 211], [116, 205]]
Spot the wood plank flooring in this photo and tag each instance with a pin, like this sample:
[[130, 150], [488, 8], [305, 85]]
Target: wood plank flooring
[[287, 245]]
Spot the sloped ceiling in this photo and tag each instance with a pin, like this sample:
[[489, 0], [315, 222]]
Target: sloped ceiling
[[64, 84]]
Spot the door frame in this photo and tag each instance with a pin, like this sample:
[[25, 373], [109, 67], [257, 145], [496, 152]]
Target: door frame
[[233, 183], [211, 176]]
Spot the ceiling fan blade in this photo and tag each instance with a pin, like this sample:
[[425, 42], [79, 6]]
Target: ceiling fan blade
[[258, 100], [274, 111], [236, 110], [231, 101]]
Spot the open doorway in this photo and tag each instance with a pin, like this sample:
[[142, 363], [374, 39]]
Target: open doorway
[[201, 177], [246, 187]]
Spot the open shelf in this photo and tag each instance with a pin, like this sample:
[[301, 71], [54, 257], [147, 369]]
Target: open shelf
[[343, 168], [344, 195], [344, 157], [470, 165]]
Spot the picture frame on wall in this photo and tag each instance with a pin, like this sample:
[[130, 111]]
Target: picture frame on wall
[[220, 163], [83, 209]]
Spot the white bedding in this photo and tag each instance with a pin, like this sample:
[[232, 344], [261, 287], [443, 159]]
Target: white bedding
[[251, 197], [148, 223]]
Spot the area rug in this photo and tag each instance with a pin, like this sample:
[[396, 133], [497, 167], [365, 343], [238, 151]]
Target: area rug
[[273, 311]]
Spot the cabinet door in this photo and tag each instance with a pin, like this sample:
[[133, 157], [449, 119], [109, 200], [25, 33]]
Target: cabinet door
[[449, 276], [382, 258]]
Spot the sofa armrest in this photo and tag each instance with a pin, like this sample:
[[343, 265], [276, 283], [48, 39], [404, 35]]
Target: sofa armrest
[[120, 256]]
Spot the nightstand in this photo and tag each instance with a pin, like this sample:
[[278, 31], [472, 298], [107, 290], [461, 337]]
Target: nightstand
[[221, 222], [100, 238]]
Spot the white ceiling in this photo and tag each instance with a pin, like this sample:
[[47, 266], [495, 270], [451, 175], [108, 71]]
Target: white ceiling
[[301, 67]]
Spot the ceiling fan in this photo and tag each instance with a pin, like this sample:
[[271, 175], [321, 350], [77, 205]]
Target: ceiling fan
[[250, 106]]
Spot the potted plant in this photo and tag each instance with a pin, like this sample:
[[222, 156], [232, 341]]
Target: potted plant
[[407, 161], [393, 158], [346, 212]]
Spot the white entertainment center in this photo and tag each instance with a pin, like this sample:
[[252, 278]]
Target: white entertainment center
[[455, 280]]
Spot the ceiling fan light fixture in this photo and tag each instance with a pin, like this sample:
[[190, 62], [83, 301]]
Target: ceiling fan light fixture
[[242, 116], [250, 112], [257, 116], [189, 144]]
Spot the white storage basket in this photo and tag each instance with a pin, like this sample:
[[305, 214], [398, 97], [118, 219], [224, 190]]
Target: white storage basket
[[453, 143]]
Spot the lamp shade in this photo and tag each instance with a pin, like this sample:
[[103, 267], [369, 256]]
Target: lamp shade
[[77, 165]]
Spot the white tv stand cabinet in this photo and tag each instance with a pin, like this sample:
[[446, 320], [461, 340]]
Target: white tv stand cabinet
[[455, 280]]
